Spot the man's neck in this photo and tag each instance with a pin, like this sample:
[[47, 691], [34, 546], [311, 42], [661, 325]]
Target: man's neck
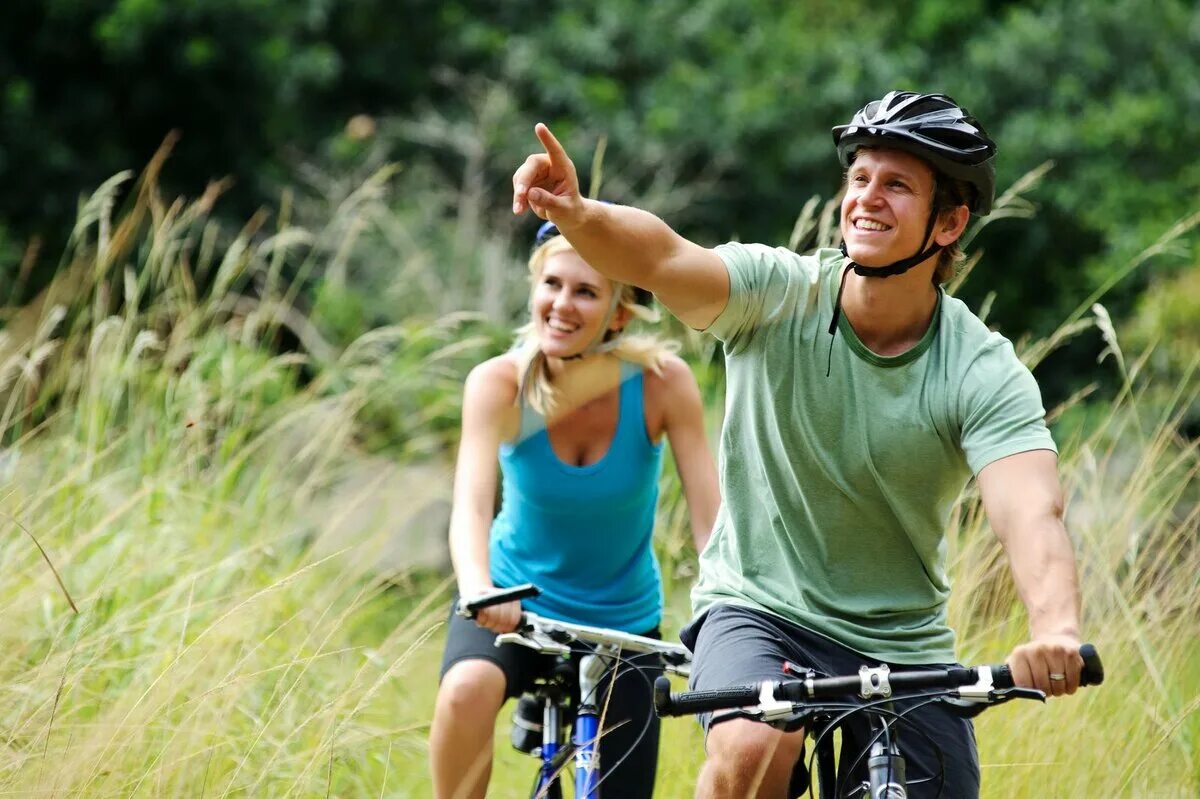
[[891, 314]]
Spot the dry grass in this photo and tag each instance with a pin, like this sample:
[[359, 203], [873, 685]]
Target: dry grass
[[179, 474]]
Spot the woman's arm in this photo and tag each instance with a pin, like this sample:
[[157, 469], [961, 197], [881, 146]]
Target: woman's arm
[[488, 409], [683, 421]]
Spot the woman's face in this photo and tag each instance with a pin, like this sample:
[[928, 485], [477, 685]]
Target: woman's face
[[570, 301]]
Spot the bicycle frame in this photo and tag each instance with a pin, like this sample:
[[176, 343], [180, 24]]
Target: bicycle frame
[[547, 783], [552, 637], [585, 736]]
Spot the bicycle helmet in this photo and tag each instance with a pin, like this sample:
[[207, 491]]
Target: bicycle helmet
[[932, 127]]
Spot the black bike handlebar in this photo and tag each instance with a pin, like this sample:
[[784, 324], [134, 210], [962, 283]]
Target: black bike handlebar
[[1092, 674], [667, 703], [471, 607]]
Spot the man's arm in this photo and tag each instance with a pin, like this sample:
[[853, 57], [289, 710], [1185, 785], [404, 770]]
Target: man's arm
[[623, 243], [1024, 503]]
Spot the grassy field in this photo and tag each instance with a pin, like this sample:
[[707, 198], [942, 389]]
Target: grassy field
[[176, 622]]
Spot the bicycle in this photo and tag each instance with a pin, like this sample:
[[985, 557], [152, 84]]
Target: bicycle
[[805, 702], [602, 649]]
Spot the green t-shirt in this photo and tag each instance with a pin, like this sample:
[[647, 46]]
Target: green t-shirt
[[838, 489]]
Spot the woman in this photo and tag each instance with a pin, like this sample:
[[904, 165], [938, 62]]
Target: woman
[[575, 414]]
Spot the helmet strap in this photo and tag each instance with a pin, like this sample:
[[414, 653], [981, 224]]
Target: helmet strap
[[897, 268], [902, 266]]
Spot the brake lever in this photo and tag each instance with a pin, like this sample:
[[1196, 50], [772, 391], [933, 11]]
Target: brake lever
[[969, 701], [1017, 692], [780, 723], [535, 640]]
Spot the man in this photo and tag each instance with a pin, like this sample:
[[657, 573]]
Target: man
[[861, 399]]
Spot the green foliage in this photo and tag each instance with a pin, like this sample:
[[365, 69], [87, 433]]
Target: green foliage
[[89, 88], [743, 96], [409, 377], [1166, 327], [722, 126]]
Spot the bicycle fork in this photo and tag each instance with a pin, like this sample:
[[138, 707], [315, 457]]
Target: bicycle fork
[[548, 785], [885, 769], [885, 765]]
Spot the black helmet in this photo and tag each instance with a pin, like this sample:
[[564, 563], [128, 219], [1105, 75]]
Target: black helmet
[[932, 127]]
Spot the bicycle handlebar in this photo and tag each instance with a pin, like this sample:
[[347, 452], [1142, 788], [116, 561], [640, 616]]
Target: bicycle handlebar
[[468, 608], [868, 684], [553, 636], [1092, 673]]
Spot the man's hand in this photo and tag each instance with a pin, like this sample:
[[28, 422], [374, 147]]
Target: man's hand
[[1050, 663], [547, 184]]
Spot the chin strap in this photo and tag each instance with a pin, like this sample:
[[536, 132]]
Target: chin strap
[[897, 268]]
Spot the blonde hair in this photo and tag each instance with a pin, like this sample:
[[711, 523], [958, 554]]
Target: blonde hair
[[648, 351]]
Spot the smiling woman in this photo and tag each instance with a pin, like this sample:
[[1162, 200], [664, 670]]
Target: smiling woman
[[576, 312], [574, 415]]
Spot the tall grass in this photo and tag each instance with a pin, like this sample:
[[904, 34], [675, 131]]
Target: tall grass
[[210, 639]]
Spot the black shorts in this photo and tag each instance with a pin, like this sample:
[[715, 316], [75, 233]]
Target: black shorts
[[734, 645], [629, 710]]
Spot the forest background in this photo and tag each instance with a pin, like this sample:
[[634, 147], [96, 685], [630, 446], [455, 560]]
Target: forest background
[[249, 248]]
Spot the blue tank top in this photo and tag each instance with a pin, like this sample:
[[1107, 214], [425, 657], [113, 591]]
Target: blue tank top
[[583, 533]]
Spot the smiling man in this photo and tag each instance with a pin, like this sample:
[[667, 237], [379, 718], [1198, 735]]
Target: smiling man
[[860, 400]]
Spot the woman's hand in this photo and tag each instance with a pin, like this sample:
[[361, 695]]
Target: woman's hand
[[547, 184], [502, 618]]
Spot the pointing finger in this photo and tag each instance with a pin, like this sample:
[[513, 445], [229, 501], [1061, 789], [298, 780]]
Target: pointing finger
[[558, 156]]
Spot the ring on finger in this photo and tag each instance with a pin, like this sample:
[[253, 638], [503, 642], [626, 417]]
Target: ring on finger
[[1057, 677]]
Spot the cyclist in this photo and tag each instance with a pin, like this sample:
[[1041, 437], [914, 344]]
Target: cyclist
[[860, 400], [575, 414]]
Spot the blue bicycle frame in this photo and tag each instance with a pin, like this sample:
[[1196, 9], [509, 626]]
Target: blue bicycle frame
[[584, 738], [548, 783], [551, 637]]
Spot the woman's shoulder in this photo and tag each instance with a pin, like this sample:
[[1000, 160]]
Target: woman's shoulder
[[494, 381], [672, 376]]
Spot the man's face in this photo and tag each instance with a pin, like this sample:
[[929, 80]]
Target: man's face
[[886, 207]]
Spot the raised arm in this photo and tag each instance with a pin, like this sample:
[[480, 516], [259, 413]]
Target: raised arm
[[683, 421], [623, 243], [1024, 503], [487, 415]]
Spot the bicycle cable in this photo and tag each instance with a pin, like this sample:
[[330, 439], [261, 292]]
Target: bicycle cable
[[877, 708], [930, 698], [582, 647]]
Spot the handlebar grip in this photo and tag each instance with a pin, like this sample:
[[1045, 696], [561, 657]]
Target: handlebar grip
[[471, 607], [1002, 676], [681, 704], [1092, 674], [1093, 669]]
